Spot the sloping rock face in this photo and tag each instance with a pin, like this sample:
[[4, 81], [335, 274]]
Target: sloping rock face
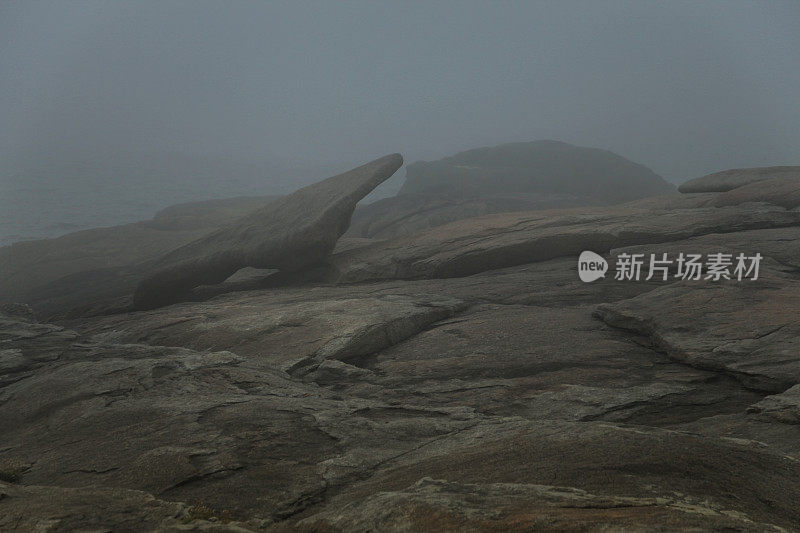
[[40, 273], [516, 461], [543, 167], [291, 233], [440, 505], [784, 192], [464, 379], [210, 214], [40, 508], [727, 180], [497, 241], [288, 331], [410, 213], [747, 330]]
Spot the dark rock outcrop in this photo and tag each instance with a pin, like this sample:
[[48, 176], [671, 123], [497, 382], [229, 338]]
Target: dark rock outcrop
[[727, 180], [541, 167], [291, 233]]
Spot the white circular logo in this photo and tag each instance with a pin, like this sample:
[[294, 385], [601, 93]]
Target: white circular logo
[[591, 266]]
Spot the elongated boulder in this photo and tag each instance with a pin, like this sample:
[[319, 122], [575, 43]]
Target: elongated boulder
[[291, 233], [728, 180], [784, 192], [467, 247]]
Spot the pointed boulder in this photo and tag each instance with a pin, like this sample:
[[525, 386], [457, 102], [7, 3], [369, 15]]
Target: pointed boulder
[[288, 234]]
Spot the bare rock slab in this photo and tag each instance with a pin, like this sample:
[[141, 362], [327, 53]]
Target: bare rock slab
[[784, 407], [731, 179], [658, 480], [512, 360], [784, 192], [284, 328], [476, 245], [749, 329], [47, 508], [291, 233], [441, 505]]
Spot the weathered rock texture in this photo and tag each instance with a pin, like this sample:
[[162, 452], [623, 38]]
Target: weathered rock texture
[[784, 192], [292, 232], [496, 241], [461, 379], [747, 329], [727, 180]]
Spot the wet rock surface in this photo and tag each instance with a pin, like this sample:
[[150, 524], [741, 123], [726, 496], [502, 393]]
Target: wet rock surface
[[459, 379]]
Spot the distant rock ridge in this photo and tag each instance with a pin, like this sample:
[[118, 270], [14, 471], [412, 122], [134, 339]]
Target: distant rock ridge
[[525, 176], [543, 167]]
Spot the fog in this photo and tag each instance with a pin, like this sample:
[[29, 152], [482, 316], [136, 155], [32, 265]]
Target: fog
[[685, 88]]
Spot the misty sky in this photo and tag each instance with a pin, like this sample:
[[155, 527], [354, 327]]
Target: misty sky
[[685, 88]]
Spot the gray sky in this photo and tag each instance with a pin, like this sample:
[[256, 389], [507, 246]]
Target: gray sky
[[683, 87]]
